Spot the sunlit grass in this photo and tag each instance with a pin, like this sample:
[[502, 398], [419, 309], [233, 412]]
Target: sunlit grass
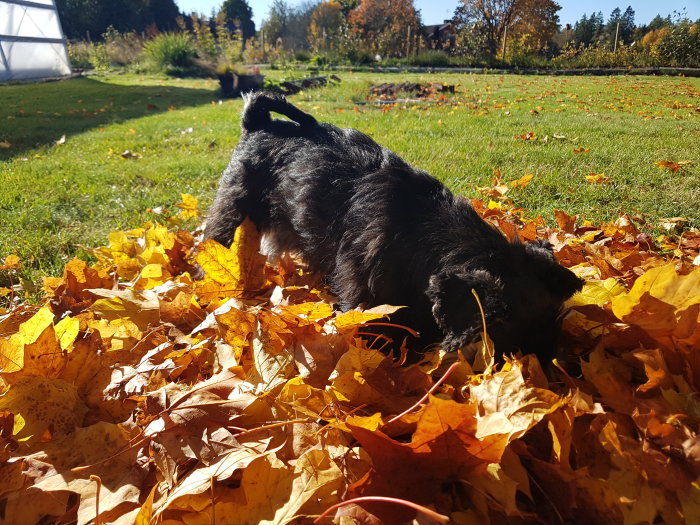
[[58, 198]]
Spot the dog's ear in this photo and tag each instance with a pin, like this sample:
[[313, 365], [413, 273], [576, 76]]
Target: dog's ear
[[561, 282], [455, 309]]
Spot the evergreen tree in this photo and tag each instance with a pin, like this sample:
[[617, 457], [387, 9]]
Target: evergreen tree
[[627, 26], [238, 12], [598, 27], [610, 29], [83, 19], [163, 14], [583, 30], [658, 22]]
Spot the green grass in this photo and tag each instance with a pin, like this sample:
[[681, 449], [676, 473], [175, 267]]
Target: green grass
[[57, 200]]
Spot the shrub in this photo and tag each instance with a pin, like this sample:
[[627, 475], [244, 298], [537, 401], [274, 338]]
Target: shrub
[[99, 58], [302, 55], [173, 53], [123, 49], [253, 52], [320, 61], [79, 54], [602, 57], [430, 58], [680, 46], [359, 57]]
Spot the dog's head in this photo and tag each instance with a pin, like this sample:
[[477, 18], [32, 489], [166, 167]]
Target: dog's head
[[521, 290]]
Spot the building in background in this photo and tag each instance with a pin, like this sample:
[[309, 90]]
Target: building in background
[[32, 45]]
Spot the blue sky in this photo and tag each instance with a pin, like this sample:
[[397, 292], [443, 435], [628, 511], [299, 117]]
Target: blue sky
[[435, 11]]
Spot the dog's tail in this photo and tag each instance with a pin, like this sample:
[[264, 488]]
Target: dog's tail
[[256, 113]]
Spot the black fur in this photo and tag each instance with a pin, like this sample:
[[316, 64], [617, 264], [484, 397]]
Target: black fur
[[384, 232]]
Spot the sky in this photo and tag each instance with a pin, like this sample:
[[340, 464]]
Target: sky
[[435, 11]]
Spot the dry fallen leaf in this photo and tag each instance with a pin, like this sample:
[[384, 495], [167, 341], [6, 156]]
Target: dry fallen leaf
[[522, 181], [128, 154], [598, 178], [673, 166]]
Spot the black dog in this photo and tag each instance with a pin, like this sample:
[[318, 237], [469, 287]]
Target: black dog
[[384, 232]]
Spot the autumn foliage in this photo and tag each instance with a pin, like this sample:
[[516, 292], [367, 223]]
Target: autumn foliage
[[136, 394], [386, 26]]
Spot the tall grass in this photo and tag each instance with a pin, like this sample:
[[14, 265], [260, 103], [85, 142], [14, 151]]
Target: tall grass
[[171, 52]]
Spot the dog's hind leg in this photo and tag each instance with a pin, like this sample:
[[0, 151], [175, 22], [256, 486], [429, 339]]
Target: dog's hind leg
[[231, 205]]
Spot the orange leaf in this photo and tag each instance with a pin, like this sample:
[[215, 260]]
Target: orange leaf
[[530, 135], [11, 263], [566, 222], [672, 166]]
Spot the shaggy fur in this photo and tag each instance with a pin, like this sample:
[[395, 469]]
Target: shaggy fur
[[384, 232]]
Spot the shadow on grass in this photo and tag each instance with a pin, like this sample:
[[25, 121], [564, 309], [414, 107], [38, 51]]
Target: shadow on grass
[[34, 115]]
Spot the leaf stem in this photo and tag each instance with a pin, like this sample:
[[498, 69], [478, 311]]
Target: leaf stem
[[440, 518], [449, 371]]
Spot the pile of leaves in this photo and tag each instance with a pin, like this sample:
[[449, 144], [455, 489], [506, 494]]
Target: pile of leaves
[[137, 394], [389, 90]]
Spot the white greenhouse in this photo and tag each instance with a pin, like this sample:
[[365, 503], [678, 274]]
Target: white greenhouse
[[32, 45]]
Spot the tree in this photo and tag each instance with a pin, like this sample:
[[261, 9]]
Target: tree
[[327, 26], [91, 18], [611, 28], [588, 30], [162, 13], [492, 18], [239, 13], [78, 18], [658, 22], [538, 24], [287, 24], [627, 27], [624, 31], [385, 24]]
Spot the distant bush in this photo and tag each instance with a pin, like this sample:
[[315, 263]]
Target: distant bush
[[359, 57], [99, 58], [302, 55], [680, 46], [321, 61], [123, 49], [603, 57], [173, 53], [430, 58], [79, 54]]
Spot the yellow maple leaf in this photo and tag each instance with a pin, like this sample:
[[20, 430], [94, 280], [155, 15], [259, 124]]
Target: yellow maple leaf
[[189, 207], [158, 240], [34, 345], [152, 275], [126, 305], [354, 318], [598, 178], [44, 404], [597, 292], [313, 311], [662, 302], [11, 262], [236, 271], [66, 331], [522, 181]]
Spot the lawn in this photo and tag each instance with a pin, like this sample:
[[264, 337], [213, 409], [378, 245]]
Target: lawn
[[134, 143]]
